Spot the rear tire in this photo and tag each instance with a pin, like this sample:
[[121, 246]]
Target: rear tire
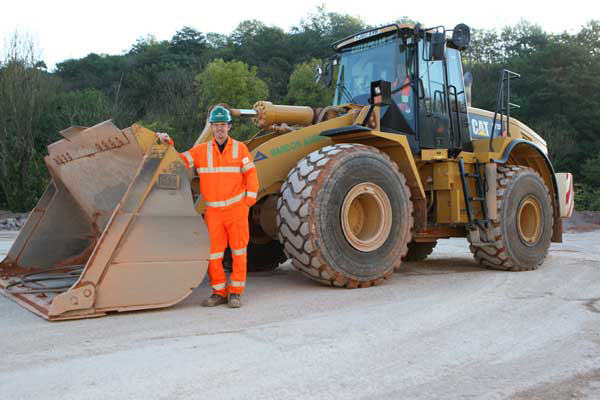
[[419, 251], [522, 234], [345, 216]]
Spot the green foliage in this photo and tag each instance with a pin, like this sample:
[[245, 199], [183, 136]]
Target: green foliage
[[85, 107], [268, 49], [188, 42], [303, 90], [591, 171], [560, 137], [313, 37], [587, 198], [24, 91], [232, 83]]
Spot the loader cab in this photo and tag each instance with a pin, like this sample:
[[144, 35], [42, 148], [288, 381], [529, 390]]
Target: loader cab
[[428, 102]]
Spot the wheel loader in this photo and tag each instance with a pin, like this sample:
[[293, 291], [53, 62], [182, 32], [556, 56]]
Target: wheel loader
[[398, 161]]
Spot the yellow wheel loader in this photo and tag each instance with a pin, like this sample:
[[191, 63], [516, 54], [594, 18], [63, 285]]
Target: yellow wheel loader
[[399, 160]]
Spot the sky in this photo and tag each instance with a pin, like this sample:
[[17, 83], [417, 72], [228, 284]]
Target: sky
[[64, 29]]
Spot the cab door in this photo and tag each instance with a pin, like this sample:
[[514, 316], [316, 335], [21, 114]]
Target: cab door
[[457, 101], [434, 121], [443, 120]]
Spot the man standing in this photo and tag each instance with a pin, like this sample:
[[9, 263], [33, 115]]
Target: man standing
[[228, 185]]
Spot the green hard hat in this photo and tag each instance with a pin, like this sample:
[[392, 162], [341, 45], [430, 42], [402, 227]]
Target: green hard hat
[[219, 114]]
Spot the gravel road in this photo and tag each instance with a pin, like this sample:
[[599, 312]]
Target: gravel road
[[441, 329]]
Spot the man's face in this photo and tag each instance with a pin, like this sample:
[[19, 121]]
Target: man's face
[[220, 131]]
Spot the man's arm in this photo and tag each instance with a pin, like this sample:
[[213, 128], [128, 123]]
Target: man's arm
[[250, 176], [186, 156]]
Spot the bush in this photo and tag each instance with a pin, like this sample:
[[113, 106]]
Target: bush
[[587, 198]]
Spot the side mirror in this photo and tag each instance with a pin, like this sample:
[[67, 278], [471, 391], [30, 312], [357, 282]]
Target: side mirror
[[328, 76], [461, 36], [437, 46], [318, 73]]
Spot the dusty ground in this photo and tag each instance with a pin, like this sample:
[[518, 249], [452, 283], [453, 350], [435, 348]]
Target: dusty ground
[[441, 329]]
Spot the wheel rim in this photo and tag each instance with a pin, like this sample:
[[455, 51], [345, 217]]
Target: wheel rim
[[529, 220], [366, 217]]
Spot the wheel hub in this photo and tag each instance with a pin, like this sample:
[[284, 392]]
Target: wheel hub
[[529, 220], [366, 217]]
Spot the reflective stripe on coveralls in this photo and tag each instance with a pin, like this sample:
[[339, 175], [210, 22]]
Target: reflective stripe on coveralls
[[238, 252], [189, 159], [248, 166], [225, 203], [216, 256], [215, 170], [209, 162]]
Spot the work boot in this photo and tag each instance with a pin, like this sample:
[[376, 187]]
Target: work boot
[[214, 300], [235, 300]]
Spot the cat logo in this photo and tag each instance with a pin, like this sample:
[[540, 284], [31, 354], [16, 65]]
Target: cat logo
[[479, 127]]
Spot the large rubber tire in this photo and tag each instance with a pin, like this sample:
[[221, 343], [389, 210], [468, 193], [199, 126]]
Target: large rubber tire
[[310, 215], [260, 257], [517, 189], [418, 251]]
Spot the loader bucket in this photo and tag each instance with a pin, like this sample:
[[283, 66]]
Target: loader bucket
[[116, 229]]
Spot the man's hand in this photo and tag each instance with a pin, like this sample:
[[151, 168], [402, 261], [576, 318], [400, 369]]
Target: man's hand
[[163, 137]]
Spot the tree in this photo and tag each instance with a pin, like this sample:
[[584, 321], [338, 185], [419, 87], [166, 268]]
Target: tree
[[230, 82], [188, 40], [589, 37], [24, 89], [268, 49], [303, 88], [85, 107], [143, 43], [485, 47], [591, 171], [313, 37]]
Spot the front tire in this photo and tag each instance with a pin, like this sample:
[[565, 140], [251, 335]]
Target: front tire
[[345, 216]]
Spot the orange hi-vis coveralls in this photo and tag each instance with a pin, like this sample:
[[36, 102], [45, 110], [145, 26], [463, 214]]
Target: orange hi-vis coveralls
[[228, 185]]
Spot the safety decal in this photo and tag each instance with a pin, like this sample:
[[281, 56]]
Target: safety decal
[[259, 156]]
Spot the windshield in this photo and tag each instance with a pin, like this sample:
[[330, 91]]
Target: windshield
[[362, 64]]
